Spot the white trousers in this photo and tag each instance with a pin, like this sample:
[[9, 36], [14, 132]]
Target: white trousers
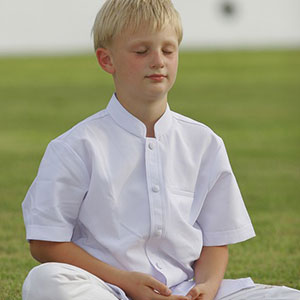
[[57, 281]]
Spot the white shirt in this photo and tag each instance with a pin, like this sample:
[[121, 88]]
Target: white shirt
[[138, 203]]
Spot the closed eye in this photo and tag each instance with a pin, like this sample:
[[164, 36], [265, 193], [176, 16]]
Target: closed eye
[[141, 52]]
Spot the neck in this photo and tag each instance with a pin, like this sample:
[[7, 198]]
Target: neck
[[148, 112]]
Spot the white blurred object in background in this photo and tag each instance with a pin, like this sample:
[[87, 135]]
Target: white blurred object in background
[[241, 23], [64, 26]]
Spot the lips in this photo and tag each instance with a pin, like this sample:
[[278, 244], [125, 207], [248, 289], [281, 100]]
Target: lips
[[156, 77]]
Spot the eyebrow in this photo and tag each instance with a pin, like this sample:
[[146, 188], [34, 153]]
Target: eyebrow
[[143, 42]]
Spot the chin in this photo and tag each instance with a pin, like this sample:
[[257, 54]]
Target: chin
[[153, 97], [158, 90]]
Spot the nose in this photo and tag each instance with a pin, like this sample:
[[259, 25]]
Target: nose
[[157, 61]]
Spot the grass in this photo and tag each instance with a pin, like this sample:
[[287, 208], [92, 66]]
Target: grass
[[251, 99]]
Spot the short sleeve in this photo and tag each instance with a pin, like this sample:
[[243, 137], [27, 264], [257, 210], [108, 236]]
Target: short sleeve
[[52, 203], [223, 218]]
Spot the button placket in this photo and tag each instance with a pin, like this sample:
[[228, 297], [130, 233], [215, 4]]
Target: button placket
[[156, 202], [157, 263], [153, 182]]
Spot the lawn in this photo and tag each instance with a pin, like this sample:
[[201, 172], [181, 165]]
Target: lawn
[[251, 99]]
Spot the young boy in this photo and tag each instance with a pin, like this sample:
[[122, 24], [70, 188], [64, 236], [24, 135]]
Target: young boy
[[136, 202]]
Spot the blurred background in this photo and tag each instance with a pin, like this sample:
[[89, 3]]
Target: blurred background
[[239, 73], [40, 26]]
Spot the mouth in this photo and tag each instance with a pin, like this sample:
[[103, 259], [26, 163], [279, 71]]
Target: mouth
[[156, 77]]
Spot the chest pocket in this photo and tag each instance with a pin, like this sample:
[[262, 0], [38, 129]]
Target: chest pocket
[[181, 203]]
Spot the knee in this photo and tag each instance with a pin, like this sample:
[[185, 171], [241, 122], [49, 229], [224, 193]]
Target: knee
[[45, 282], [53, 281]]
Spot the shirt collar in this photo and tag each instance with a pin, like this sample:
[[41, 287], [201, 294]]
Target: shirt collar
[[132, 124]]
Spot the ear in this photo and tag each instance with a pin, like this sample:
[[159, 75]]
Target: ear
[[104, 58]]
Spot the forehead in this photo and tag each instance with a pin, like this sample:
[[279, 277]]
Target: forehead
[[145, 34]]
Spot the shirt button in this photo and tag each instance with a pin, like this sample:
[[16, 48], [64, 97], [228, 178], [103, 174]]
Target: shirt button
[[158, 231], [158, 266], [155, 189], [151, 146]]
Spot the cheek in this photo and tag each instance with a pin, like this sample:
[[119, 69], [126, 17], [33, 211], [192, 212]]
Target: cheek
[[137, 66], [173, 65], [132, 69]]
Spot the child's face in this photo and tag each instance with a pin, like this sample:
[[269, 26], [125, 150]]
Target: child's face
[[145, 63]]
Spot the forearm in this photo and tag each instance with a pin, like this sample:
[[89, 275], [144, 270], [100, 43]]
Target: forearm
[[136, 285], [211, 266], [70, 253]]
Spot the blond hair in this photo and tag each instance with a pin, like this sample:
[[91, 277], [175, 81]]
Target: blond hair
[[115, 16]]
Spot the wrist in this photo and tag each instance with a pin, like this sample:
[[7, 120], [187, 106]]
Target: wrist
[[211, 287], [123, 280]]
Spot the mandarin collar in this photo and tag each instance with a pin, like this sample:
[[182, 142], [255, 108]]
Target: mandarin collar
[[132, 124]]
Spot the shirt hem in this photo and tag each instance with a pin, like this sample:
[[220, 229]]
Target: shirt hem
[[47, 233], [228, 237]]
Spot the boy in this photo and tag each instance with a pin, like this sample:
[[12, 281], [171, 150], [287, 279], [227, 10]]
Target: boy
[[135, 202]]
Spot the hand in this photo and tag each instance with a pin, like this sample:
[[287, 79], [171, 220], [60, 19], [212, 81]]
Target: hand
[[140, 286], [200, 292]]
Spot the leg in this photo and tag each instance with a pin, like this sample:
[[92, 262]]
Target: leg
[[267, 292], [53, 281]]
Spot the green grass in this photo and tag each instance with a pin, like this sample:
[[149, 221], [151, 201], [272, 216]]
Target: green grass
[[251, 99]]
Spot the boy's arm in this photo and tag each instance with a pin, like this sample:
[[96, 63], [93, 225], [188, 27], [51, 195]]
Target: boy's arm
[[136, 285], [209, 272]]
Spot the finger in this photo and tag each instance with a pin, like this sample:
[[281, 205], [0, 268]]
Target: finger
[[195, 292], [171, 297], [158, 286], [176, 297]]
